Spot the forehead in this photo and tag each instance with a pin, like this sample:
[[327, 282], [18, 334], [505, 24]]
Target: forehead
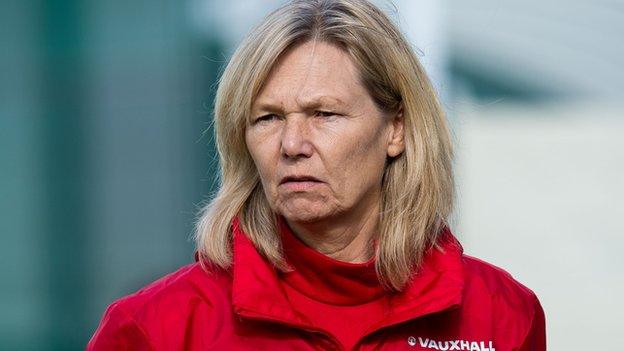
[[313, 73]]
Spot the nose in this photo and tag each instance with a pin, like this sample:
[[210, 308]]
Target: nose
[[295, 142]]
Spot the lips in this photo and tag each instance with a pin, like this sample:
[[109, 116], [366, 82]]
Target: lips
[[299, 178]]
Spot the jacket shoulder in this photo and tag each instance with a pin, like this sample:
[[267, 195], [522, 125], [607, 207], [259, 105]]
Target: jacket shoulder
[[165, 304], [514, 306], [190, 284], [498, 283]]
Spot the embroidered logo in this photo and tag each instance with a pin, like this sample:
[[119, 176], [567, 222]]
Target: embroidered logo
[[460, 345]]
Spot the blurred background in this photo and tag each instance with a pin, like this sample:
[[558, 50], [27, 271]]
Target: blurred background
[[106, 149]]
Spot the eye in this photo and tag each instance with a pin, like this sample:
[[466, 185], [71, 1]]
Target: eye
[[324, 113], [265, 118]]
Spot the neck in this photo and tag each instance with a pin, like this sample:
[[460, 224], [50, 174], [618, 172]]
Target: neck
[[347, 237]]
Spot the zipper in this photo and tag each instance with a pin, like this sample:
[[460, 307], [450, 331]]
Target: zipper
[[263, 317]]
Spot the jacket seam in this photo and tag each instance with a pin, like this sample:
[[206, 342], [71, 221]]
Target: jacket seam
[[135, 323]]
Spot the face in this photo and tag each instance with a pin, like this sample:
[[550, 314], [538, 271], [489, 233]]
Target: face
[[317, 138]]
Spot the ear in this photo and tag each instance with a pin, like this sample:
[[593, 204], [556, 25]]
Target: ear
[[396, 144]]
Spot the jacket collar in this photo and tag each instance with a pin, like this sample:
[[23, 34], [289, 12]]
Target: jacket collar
[[325, 279], [257, 292]]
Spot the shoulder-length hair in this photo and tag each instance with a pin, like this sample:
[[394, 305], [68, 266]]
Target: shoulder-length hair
[[417, 187]]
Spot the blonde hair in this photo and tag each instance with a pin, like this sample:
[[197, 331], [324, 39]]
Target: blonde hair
[[417, 187]]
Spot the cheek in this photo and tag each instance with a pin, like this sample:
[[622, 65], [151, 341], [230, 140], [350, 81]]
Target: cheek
[[370, 164], [264, 159], [359, 161]]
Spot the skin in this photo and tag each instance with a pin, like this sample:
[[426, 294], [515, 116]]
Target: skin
[[314, 118]]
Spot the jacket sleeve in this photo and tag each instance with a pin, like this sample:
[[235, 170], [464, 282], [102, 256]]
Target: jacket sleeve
[[536, 337], [118, 331]]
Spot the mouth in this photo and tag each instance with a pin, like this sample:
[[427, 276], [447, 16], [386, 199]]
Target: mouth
[[290, 179], [299, 183]]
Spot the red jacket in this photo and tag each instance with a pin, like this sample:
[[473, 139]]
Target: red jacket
[[456, 302]]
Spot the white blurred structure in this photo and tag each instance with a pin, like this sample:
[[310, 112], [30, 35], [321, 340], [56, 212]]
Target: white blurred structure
[[541, 174], [540, 195]]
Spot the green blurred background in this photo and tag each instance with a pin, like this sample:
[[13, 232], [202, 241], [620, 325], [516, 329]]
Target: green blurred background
[[106, 149], [103, 158]]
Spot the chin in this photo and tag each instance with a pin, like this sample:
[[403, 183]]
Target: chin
[[305, 214]]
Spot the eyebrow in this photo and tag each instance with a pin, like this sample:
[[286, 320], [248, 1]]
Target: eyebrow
[[307, 103]]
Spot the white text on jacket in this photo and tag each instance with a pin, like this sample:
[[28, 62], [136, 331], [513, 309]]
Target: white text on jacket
[[460, 345]]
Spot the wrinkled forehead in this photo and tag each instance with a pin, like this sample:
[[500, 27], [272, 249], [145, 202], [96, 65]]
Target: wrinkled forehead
[[311, 75]]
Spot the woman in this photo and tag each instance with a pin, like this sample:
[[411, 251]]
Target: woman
[[329, 228]]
